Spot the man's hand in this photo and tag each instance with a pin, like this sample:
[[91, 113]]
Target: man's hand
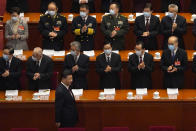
[[113, 33], [75, 68], [145, 34], [174, 26], [141, 66], [83, 1], [6, 73], [58, 124], [52, 35], [36, 76], [173, 70], [108, 69], [17, 36], [84, 28]]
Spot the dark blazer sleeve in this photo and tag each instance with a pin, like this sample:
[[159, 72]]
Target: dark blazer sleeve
[[155, 32], [138, 32], [181, 29], [99, 67], [105, 31], [118, 67], [29, 72], [59, 100], [42, 29], [49, 73], [149, 67], [194, 64], [184, 62], [18, 72], [84, 68], [63, 29], [124, 29], [163, 62], [164, 30], [132, 66], [194, 28]]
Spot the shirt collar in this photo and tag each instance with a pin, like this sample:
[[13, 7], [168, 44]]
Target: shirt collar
[[65, 85], [108, 56]]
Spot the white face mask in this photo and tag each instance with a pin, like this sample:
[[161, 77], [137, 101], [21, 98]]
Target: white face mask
[[14, 18], [73, 53], [34, 58], [108, 51], [112, 12], [51, 12], [138, 53], [83, 14]]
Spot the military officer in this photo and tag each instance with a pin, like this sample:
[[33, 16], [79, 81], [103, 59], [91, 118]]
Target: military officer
[[53, 27], [115, 26], [84, 27]]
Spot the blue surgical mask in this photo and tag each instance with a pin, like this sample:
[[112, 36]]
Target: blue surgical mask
[[112, 12], [5, 57], [51, 12], [108, 52], [73, 53], [83, 14], [171, 47], [147, 14], [14, 19], [171, 15], [138, 53]]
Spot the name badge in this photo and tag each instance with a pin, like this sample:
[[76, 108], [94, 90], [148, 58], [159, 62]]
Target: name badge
[[21, 27], [56, 28], [177, 63], [116, 28]]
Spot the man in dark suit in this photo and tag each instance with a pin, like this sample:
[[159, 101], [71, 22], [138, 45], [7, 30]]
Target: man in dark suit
[[173, 64], [105, 5], [114, 27], [166, 3], [22, 4], [78, 63], [84, 28], [141, 66], [76, 5], [44, 5], [65, 106], [146, 28], [173, 25], [53, 28], [39, 70], [108, 66], [10, 70]]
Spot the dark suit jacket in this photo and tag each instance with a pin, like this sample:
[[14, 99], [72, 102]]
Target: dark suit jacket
[[176, 79], [106, 3], [76, 6], [46, 71], [166, 29], [166, 3], [150, 42], [44, 5], [192, 7], [79, 77], [12, 82], [141, 78], [22, 4], [110, 79], [194, 31], [65, 107], [194, 67]]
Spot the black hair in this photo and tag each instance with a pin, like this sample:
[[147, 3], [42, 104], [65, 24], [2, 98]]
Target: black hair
[[148, 5], [15, 10], [116, 3], [65, 73], [105, 43], [140, 43], [84, 6], [11, 50]]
